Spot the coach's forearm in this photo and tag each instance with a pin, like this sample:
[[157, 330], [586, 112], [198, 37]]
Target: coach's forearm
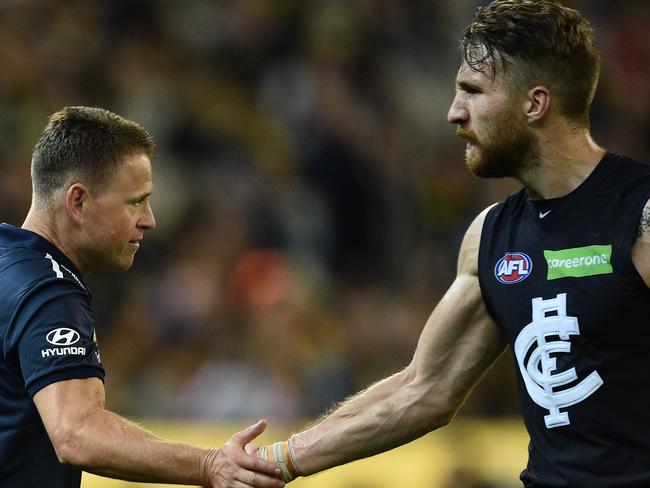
[[109, 445], [390, 413]]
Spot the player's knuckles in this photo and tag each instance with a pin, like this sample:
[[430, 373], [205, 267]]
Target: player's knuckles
[[255, 463]]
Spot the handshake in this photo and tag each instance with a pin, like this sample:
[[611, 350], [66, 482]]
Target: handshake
[[280, 453], [240, 463]]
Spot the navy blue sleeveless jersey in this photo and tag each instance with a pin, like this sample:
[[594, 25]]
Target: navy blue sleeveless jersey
[[557, 277], [46, 335]]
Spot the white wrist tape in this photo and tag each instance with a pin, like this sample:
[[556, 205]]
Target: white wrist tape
[[282, 454]]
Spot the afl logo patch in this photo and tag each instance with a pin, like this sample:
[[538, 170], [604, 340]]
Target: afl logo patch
[[514, 267]]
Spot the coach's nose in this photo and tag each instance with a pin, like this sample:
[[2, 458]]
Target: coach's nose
[[147, 220]]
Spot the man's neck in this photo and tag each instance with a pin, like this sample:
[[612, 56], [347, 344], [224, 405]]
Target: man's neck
[[47, 228], [564, 163]]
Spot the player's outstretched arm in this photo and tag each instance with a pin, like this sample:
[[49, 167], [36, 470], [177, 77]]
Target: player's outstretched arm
[[86, 435], [459, 343]]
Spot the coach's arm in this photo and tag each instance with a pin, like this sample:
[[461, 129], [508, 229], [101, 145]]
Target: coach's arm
[[460, 341], [86, 435]]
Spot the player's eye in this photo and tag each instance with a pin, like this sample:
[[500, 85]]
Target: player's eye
[[471, 90]]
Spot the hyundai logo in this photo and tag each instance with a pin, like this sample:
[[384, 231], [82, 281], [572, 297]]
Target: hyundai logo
[[62, 337]]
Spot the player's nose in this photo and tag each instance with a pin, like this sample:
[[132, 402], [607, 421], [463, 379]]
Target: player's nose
[[457, 113]]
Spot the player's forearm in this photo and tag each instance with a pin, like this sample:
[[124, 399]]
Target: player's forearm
[[109, 445], [392, 412]]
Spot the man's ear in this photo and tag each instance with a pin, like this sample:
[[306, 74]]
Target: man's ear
[[538, 103], [76, 199]]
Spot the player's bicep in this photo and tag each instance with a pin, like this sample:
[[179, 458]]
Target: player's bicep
[[459, 342]]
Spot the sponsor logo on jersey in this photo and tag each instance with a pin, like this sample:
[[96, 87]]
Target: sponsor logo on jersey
[[512, 268], [537, 347], [63, 351], [578, 262], [62, 336]]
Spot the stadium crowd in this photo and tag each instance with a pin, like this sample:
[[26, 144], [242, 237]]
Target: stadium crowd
[[310, 194]]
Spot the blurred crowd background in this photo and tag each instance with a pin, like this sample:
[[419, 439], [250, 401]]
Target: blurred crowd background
[[310, 195]]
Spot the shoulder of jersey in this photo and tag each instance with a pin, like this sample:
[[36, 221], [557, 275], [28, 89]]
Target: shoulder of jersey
[[39, 268]]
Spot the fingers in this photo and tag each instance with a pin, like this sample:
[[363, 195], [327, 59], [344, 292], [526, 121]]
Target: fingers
[[251, 449], [245, 436], [248, 479], [259, 465], [237, 464]]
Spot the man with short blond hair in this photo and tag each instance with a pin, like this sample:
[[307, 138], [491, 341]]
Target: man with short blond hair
[[92, 181]]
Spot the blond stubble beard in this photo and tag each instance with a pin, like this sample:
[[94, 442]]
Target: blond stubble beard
[[507, 151]]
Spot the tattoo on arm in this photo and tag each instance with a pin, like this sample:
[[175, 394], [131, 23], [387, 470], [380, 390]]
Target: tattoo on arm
[[644, 225]]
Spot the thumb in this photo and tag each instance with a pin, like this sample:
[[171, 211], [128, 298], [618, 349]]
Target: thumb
[[251, 449], [248, 434]]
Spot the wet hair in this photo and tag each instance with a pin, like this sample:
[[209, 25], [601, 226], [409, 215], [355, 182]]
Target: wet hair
[[536, 42], [85, 144]]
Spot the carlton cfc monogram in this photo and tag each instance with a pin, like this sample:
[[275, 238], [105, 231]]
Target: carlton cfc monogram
[[538, 372]]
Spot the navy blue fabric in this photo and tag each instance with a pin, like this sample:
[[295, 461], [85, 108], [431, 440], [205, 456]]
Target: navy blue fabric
[[46, 335], [606, 441]]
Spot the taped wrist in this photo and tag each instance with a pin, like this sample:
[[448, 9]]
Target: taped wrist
[[281, 454]]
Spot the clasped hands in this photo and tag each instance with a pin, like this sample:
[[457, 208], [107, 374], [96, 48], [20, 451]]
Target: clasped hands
[[238, 464]]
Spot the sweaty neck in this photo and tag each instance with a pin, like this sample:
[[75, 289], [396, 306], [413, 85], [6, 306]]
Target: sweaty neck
[[565, 160]]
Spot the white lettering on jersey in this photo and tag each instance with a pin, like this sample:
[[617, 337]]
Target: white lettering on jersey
[[509, 267], [63, 351], [550, 319], [55, 266]]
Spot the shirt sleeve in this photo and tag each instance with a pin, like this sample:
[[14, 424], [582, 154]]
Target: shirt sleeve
[[56, 336]]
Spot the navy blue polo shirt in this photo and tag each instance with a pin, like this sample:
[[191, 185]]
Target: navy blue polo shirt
[[46, 335]]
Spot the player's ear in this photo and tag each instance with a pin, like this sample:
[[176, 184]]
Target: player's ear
[[538, 103], [75, 202]]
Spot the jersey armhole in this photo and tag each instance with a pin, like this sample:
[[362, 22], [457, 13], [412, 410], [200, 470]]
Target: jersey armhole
[[489, 218]]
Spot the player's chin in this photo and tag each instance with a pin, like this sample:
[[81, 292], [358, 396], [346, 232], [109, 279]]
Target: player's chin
[[484, 166], [474, 161]]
